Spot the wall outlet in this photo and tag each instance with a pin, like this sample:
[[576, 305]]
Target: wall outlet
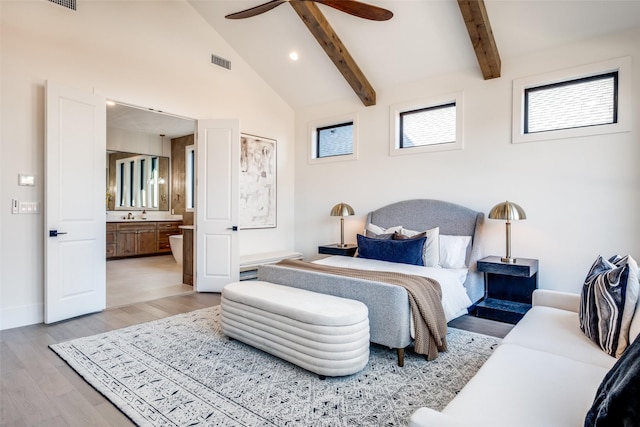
[[29, 207]]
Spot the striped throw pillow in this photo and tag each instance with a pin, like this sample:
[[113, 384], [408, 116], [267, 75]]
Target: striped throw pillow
[[608, 301]]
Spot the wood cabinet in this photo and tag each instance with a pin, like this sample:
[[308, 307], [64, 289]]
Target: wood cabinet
[[111, 239], [164, 230], [125, 239]]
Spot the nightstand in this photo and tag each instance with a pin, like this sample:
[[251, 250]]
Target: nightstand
[[336, 249], [508, 288]]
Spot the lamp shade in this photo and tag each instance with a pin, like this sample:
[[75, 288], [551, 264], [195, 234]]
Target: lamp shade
[[508, 211], [342, 209]]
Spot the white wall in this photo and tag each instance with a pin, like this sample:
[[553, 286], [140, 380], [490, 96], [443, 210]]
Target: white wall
[[581, 195], [145, 53]]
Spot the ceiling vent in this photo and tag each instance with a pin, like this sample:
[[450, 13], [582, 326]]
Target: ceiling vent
[[69, 4], [221, 62]]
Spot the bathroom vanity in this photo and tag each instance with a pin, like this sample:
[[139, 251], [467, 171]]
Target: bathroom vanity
[[129, 238]]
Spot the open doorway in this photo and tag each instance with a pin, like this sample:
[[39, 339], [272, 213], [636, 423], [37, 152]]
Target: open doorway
[[145, 204]]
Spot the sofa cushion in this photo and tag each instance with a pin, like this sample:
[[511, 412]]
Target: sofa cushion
[[557, 331], [526, 387], [608, 301]]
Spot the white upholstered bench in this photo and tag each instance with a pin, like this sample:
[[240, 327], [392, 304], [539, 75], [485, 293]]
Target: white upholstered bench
[[321, 333]]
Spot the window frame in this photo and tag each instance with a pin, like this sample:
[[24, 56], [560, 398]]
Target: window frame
[[567, 76], [395, 120], [313, 128]]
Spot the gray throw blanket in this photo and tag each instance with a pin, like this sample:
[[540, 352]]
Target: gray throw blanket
[[425, 299]]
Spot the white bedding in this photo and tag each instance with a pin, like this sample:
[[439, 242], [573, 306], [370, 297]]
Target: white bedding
[[454, 296]]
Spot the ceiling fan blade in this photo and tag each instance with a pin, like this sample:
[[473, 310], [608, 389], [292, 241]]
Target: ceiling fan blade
[[248, 13], [359, 9]]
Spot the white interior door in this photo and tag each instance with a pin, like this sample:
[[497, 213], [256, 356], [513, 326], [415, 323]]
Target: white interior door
[[74, 203], [218, 164]]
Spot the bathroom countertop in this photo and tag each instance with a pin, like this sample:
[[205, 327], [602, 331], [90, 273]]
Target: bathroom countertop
[[186, 227], [143, 220]]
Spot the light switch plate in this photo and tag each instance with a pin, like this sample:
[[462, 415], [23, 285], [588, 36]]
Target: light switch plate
[[28, 180]]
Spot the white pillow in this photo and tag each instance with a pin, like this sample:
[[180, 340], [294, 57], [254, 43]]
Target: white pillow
[[372, 230], [431, 250], [453, 251]]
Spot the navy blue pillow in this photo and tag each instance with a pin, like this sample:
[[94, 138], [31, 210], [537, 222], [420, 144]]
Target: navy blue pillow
[[401, 251]]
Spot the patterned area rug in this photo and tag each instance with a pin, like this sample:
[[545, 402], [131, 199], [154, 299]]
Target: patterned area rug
[[182, 371]]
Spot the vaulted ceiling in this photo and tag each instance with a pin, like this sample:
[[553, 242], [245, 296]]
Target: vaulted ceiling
[[424, 38]]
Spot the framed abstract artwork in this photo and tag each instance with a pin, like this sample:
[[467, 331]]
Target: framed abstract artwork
[[258, 189]]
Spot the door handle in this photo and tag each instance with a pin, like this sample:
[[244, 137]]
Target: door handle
[[54, 233], [234, 228]]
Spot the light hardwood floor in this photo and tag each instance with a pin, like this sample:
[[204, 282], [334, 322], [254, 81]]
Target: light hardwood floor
[[133, 280], [37, 388]]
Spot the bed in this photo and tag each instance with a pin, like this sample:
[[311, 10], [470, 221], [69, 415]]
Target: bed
[[455, 230]]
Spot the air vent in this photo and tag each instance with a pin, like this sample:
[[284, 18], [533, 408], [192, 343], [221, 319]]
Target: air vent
[[69, 4], [221, 62]]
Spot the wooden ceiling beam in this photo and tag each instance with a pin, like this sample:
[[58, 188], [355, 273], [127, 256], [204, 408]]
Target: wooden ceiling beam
[[333, 46], [479, 29]]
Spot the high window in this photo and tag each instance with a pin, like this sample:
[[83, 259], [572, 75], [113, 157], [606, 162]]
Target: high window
[[334, 139], [432, 125], [581, 101], [589, 101]]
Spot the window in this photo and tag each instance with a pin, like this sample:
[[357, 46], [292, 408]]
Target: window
[[433, 125], [190, 178], [334, 139], [588, 101], [428, 126], [582, 101]]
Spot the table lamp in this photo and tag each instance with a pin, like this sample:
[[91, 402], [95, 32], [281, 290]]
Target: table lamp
[[511, 212], [342, 210]]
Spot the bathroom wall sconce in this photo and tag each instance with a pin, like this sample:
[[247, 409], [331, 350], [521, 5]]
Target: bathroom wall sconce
[[342, 210], [508, 211]]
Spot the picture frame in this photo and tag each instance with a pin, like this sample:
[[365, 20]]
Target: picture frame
[[258, 182]]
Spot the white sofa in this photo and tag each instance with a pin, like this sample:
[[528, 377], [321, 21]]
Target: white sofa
[[544, 373]]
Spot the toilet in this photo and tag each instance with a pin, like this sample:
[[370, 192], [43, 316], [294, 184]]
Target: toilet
[[175, 242]]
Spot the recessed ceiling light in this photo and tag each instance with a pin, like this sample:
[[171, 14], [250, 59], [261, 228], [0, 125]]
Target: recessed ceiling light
[[111, 103], [293, 55]]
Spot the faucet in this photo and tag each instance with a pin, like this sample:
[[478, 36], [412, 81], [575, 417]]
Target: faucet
[[130, 216]]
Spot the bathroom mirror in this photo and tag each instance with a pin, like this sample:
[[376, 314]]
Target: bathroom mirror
[[137, 181]]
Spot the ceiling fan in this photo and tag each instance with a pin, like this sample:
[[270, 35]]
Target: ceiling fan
[[352, 7]]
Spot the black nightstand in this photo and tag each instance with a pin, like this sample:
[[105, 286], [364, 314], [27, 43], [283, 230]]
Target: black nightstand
[[336, 249], [508, 288]]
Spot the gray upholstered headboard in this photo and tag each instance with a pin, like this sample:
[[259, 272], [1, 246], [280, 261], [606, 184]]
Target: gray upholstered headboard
[[453, 219]]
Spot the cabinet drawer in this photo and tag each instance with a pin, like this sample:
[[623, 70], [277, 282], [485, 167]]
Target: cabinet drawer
[[164, 246], [136, 226], [164, 235], [111, 226], [169, 225]]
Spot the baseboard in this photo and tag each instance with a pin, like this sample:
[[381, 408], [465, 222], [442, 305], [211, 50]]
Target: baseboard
[[24, 315]]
